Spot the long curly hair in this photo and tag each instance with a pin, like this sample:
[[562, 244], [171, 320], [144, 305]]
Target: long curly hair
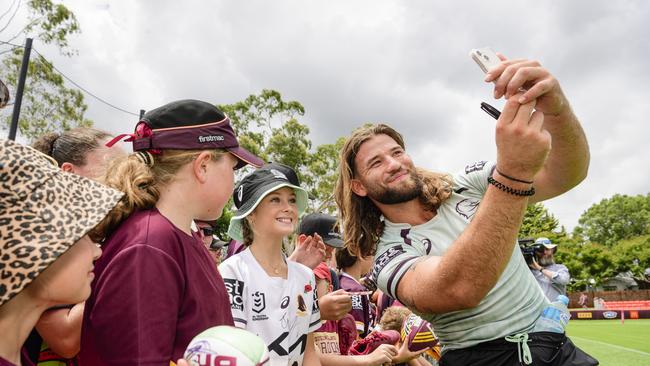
[[360, 218], [141, 183]]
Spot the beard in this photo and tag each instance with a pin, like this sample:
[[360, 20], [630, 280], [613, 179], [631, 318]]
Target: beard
[[410, 189], [546, 261]]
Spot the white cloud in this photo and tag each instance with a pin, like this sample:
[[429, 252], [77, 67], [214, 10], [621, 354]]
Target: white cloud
[[404, 63]]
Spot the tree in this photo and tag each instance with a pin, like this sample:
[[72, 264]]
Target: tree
[[614, 219], [538, 221], [47, 103], [270, 127]]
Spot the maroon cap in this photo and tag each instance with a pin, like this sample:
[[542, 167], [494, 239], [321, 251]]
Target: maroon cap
[[188, 125]]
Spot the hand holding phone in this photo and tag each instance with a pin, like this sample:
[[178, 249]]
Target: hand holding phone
[[485, 57]]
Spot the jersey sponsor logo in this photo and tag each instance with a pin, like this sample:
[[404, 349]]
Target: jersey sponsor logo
[[384, 259], [259, 302], [276, 345], [285, 302], [467, 207], [235, 292], [302, 306], [211, 138], [478, 166], [356, 302]]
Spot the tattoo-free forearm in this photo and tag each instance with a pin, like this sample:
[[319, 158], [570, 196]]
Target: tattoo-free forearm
[[474, 262]]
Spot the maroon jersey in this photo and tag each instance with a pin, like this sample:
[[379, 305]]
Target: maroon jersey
[[362, 310], [155, 288]]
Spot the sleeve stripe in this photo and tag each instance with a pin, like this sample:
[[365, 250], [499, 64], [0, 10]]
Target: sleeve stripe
[[389, 286], [314, 323], [240, 320]]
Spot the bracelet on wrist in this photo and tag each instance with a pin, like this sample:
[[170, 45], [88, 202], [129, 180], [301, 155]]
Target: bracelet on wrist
[[510, 190], [513, 179]]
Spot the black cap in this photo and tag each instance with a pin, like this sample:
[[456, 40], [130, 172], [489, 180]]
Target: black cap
[[324, 225], [255, 186], [187, 125]]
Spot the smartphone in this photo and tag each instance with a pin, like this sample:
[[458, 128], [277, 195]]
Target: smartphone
[[485, 58]]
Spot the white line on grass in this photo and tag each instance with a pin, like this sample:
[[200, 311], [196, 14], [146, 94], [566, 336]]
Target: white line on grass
[[611, 345]]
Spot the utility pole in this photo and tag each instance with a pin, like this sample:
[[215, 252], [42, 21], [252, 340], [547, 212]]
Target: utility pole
[[19, 90]]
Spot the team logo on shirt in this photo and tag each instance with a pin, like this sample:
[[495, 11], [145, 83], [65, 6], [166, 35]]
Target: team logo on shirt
[[302, 306], [235, 292], [259, 302], [467, 207], [384, 259], [427, 245], [478, 166]]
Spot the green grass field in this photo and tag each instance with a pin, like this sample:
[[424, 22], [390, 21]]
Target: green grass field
[[613, 343]]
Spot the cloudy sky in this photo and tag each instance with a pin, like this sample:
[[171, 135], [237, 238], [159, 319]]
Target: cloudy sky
[[401, 62]]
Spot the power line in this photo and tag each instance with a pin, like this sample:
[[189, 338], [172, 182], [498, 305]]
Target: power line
[[75, 83], [86, 90]]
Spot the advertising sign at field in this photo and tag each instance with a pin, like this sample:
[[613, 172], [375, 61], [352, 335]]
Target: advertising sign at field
[[610, 314], [585, 315]]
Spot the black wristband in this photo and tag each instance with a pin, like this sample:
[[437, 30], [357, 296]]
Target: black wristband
[[513, 179], [512, 191]]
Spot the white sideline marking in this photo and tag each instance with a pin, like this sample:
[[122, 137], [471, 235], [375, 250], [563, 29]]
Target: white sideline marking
[[611, 345]]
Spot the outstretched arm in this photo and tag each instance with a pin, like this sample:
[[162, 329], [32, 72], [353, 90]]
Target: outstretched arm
[[568, 160], [476, 259]]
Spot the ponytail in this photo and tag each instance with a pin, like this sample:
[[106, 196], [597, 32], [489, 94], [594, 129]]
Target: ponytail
[[141, 182]]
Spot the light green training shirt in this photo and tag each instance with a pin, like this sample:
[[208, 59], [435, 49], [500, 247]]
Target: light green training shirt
[[511, 307]]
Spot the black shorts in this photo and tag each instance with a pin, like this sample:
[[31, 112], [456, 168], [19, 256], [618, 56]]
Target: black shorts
[[546, 348]]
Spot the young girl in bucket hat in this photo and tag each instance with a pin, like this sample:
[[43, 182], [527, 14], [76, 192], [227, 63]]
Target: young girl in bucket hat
[[57, 336], [269, 295], [156, 287], [46, 252]]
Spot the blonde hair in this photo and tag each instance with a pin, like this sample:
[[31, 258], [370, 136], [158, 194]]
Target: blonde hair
[[141, 183], [393, 318], [360, 218]]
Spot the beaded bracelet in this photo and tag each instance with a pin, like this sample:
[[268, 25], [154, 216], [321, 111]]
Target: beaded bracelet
[[515, 192]]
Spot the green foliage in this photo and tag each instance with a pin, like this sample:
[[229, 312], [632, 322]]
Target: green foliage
[[614, 219], [48, 105], [270, 127], [632, 255], [51, 24], [585, 261], [538, 220]]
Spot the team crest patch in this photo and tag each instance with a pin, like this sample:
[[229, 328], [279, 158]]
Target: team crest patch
[[259, 302], [467, 207], [302, 306], [478, 166]]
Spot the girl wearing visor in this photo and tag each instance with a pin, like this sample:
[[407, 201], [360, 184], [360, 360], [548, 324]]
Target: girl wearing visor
[[156, 286], [269, 295]]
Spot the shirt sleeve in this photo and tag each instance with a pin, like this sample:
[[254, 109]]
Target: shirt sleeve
[[391, 264], [473, 179], [561, 276], [237, 292], [138, 296]]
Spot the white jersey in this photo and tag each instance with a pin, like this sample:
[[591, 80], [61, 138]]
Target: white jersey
[[514, 303], [282, 312]]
